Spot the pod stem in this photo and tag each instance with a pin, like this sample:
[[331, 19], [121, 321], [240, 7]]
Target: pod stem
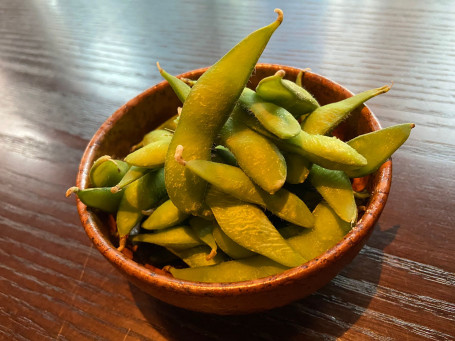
[[71, 190], [178, 155], [115, 189], [211, 254], [280, 15]]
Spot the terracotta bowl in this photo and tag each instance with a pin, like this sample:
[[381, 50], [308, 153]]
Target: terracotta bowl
[[152, 107]]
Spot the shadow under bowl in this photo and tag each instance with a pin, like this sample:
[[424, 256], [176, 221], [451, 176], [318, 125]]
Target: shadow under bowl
[[154, 106]]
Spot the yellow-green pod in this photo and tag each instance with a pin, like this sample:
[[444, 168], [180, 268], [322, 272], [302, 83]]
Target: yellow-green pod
[[206, 109], [282, 203], [198, 256], [335, 187], [229, 247], [142, 194], [328, 152], [99, 197], [258, 157], [151, 155], [275, 119], [170, 124], [286, 94], [323, 119], [298, 168], [165, 215], [156, 135], [107, 172], [204, 230], [378, 146], [131, 175], [176, 237], [231, 271], [328, 230], [248, 226], [180, 88]]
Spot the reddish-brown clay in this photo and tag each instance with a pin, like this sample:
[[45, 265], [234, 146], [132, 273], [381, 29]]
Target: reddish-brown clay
[[146, 111]]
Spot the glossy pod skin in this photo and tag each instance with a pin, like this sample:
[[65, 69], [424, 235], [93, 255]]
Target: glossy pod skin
[[165, 215], [203, 114], [142, 194], [282, 203], [259, 157], [158, 104], [286, 94], [323, 119], [107, 172], [249, 227]]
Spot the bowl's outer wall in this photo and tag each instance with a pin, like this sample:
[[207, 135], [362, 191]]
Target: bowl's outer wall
[[146, 111]]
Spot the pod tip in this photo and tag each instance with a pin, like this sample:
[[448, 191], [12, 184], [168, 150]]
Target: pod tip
[[115, 189], [158, 66], [280, 15], [413, 125]]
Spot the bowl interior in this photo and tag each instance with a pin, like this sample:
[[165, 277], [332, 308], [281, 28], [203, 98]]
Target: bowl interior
[[145, 112]]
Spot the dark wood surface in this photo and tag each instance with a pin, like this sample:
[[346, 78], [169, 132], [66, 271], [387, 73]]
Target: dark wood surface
[[65, 66]]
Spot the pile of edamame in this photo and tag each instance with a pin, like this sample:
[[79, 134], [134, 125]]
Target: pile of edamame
[[241, 183]]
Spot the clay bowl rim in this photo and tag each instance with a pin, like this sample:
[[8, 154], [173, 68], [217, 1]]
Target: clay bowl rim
[[358, 234]]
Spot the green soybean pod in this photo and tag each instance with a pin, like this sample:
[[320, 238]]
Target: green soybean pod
[[203, 115], [378, 146], [249, 227], [328, 230], [175, 237], [328, 152], [225, 155], [298, 168], [198, 256], [99, 197], [165, 215], [107, 172], [170, 124], [259, 158], [231, 271], [323, 119], [142, 194], [203, 228], [229, 247], [282, 203], [180, 88], [286, 94], [156, 135], [335, 187], [151, 155], [275, 119], [131, 175]]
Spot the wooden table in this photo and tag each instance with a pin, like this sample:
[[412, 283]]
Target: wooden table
[[66, 66]]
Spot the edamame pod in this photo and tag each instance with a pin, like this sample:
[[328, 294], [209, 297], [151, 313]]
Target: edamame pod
[[275, 119], [165, 215], [180, 88], [170, 124], [131, 175], [151, 155], [328, 230], [204, 230], [323, 119], [259, 158], [231, 271], [378, 146], [99, 197], [328, 152], [175, 238], [142, 194], [225, 155], [229, 247], [198, 256], [156, 135], [249, 227], [203, 115], [298, 168], [286, 94], [107, 172], [283, 203], [335, 187]]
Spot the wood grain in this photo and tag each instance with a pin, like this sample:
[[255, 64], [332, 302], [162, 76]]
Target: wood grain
[[66, 66]]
